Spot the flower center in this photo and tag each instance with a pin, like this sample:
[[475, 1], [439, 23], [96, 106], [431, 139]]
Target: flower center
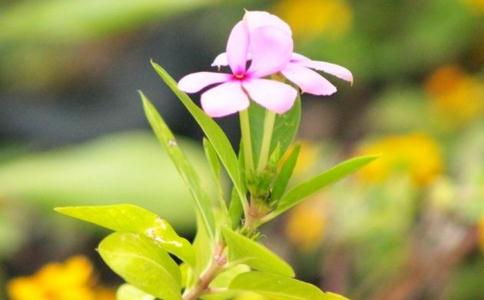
[[239, 76]]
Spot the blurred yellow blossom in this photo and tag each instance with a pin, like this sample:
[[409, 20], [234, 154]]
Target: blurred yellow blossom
[[476, 5], [305, 224], [71, 280], [314, 17], [309, 155], [415, 154], [456, 96], [104, 293]]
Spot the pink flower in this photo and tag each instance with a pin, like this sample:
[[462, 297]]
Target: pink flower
[[270, 49], [299, 70]]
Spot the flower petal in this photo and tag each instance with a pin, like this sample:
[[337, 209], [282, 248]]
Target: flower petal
[[271, 49], [333, 69], [237, 48], [221, 60], [273, 95], [309, 81], [296, 57], [225, 99], [194, 82], [257, 19]]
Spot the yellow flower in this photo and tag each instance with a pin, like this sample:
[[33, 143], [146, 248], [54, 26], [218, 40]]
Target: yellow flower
[[314, 17], [477, 6], [102, 293], [415, 154], [305, 224], [309, 155], [456, 96], [71, 280]]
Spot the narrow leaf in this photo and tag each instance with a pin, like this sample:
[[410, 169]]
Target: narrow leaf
[[212, 158], [254, 254], [214, 133], [303, 190], [286, 127], [132, 218], [284, 175], [214, 163], [203, 249], [184, 167], [235, 209], [141, 263], [278, 287]]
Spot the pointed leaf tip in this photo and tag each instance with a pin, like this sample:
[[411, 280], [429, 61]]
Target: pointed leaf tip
[[300, 192]]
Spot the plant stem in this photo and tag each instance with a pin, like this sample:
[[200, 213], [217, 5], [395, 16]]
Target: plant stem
[[246, 140], [265, 148], [219, 260]]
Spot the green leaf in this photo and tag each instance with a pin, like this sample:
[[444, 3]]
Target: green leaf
[[224, 279], [212, 158], [284, 175], [214, 133], [277, 287], [254, 254], [285, 128], [220, 295], [184, 167], [235, 206], [303, 190], [129, 292], [186, 274], [203, 249], [235, 209], [333, 296], [132, 218], [141, 263]]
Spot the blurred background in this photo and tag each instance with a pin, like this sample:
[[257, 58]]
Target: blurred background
[[72, 132]]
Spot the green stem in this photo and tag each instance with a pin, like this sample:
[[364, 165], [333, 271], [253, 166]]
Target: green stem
[[246, 140], [265, 148]]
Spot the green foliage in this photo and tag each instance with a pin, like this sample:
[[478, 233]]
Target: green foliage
[[203, 247], [285, 128], [131, 218], [220, 258], [224, 279], [278, 287], [212, 158], [282, 179], [129, 292], [143, 264], [254, 255], [214, 133], [303, 190], [184, 167]]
